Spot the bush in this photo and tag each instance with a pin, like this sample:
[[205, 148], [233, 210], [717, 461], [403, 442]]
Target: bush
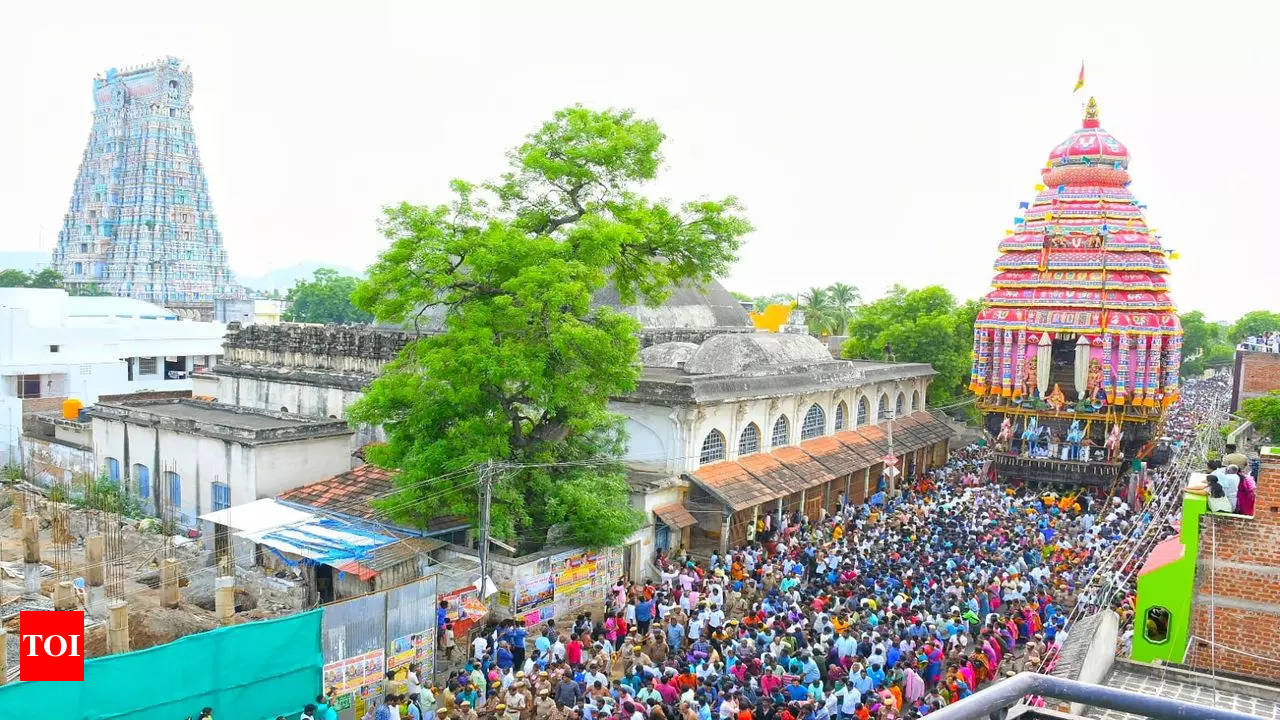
[[108, 495]]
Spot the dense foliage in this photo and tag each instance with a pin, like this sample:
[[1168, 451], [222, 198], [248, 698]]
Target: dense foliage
[[525, 365], [46, 278], [926, 325], [1264, 413], [326, 298]]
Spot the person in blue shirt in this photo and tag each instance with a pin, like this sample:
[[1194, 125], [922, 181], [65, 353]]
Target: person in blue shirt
[[675, 636], [644, 616], [797, 692], [503, 657], [519, 637]]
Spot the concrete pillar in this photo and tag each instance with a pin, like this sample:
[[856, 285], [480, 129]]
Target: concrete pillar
[[118, 627], [64, 596], [169, 582], [724, 533], [31, 554], [19, 508], [94, 575], [224, 599], [94, 550]]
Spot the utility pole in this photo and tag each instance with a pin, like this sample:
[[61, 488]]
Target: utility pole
[[486, 494]]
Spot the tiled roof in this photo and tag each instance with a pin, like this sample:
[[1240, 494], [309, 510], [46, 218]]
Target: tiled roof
[[733, 485], [348, 493], [675, 516], [833, 454], [804, 465], [860, 446], [769, 470], [761, 477]]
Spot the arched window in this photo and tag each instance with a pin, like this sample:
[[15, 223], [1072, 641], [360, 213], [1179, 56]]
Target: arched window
[[142, 476], [864, 412], [749, 440], [815, 422], [712, 448], [174, 481], [900, 408], [113, 469], [915, 400], [781, 431], [1156, 626], [882, 412], [842, 414]]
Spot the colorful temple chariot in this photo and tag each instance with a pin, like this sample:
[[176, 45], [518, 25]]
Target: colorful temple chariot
[[1077, 347], [140, 222]]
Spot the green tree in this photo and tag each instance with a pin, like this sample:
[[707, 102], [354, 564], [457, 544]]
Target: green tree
[[1253, 323], [844, 300], [325, 299], [760, 302], [525, 365], [86, 290], [1199, 334], [819, 311], [13, 278], [925, 325], [1264, 413], [46, 278], [1219, 356]]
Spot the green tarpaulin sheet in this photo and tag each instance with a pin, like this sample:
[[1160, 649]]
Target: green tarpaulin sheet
[[244, 672]]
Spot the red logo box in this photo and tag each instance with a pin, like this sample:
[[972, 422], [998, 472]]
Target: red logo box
[[50, 645]]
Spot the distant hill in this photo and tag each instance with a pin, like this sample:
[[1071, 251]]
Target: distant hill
[[285, 278], [25, 260]]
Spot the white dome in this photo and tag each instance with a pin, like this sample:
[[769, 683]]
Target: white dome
[[668, 354], [736, 352]]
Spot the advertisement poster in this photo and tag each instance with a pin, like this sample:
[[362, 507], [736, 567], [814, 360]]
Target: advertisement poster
[[351, 674], [539, 616], [534, 592], [575, 574]]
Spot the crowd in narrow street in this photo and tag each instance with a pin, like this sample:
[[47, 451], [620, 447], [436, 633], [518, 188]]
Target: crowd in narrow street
[[889, 609]]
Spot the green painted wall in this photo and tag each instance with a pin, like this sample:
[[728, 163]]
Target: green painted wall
[[1171, 587]]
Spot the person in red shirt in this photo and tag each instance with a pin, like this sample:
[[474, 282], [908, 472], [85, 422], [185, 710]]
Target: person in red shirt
[[573, 652]]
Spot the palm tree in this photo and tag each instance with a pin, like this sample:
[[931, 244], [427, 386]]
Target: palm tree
[[817, 308], [844, 298]]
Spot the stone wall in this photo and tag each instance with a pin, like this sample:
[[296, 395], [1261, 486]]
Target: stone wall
[[348, 348], [1237, 595], [1257, 373], [270, 593]]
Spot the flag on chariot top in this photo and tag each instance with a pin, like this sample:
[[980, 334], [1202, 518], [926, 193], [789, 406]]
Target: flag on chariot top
[[1080, 80]]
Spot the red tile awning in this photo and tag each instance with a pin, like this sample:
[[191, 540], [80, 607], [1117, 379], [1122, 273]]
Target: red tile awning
[[675, 516]]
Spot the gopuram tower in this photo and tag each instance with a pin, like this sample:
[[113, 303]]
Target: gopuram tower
[[141, 224]]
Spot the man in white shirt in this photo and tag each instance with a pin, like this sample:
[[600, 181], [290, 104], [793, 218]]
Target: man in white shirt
[[479, 645]]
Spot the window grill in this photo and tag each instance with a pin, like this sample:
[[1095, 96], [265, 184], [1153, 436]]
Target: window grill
[[815, 422], [781, 430], [864, 412], [712, 448], [841, 413], [749, 440]]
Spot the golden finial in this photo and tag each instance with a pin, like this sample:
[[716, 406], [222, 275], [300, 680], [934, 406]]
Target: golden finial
[[1091, 111]]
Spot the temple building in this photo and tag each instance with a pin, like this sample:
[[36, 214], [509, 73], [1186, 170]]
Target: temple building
[[1077, 347], [140, 223]]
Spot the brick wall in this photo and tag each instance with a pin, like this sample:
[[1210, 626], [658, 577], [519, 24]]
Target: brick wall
[[1257, 373], [1237, 596]]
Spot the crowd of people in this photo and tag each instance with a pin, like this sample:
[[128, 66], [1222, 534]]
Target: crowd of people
[[1266, 342], [882, 610]]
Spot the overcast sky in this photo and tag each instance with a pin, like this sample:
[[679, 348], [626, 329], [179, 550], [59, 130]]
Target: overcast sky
[[872, 143]]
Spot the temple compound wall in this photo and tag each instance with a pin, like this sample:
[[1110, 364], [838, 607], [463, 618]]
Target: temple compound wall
[[313, 370]]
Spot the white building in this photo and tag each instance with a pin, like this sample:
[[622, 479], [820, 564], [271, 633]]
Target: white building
[[54, 346], [188, 457], [744, 424]]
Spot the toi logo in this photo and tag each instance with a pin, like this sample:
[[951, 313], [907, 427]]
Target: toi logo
[[51, 645]]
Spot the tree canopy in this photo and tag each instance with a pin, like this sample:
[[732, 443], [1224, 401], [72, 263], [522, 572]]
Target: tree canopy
[[1256, 322], [925, 325], [827, 310], [1264, 413], [326, 298], [46, 278], [525, 365]]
